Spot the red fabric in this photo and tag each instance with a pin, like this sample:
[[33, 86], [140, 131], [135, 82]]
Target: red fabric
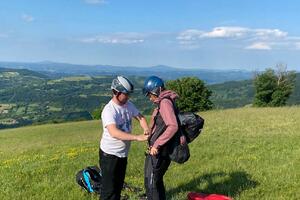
[[201, 196]]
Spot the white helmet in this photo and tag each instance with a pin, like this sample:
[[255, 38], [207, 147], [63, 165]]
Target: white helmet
[[122, 84]]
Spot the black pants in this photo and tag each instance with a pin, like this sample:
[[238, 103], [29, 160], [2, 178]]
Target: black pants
[[113, 171], [155, 169]]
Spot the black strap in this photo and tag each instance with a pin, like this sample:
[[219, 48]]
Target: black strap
[[176, 111]]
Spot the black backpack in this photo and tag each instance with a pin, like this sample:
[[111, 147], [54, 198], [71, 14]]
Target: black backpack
[[190, 125], [90, 179]]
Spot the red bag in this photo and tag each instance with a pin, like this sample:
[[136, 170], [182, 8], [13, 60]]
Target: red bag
[[201, 196]]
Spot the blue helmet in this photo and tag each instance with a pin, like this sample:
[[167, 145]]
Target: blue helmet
[[152, 85]]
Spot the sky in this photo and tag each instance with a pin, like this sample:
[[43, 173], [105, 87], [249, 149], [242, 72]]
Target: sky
[[200, 34]]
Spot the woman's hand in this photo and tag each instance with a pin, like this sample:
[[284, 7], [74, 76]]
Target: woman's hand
[[182, 140], [146, 132], [153, 151]]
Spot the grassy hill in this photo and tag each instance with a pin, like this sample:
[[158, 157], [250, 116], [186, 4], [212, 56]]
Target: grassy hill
[[247, 153]]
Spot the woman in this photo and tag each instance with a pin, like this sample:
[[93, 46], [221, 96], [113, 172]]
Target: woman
[[163, 127]]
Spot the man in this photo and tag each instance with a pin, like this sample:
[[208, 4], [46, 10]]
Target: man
[[115, 142]]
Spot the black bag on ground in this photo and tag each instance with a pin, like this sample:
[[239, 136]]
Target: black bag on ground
[[90, 179]]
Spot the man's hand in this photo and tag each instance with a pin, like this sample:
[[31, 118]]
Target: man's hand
[[141, 138]]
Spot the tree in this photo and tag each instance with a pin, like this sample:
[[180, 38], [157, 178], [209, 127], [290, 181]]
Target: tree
[[273, 88], [96, 114], [194, 95]]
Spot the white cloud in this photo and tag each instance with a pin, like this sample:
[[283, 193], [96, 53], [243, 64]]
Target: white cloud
[[117, 38], [232, 32], [259, 46], [95, 1], [27, 18], [259, 38], [226, 32], [191, 34], [269, 33]]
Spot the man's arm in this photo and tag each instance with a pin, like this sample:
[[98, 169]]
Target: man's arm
[[121, 135], [143, 123]]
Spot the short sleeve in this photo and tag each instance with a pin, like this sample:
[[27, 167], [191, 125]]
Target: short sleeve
[[133, 109], [108, 116]]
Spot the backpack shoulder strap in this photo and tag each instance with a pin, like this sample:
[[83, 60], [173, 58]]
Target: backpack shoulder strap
[[173, 102], [176, 111]]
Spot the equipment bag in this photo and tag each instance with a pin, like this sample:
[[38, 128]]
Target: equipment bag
[[191, 125], [90, 179], [179, 153], [201, 196]]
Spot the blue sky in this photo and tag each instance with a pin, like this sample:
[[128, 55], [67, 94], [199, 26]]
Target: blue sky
[[213, 34]]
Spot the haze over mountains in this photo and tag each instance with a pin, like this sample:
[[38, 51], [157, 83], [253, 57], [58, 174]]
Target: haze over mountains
[[54, 69]]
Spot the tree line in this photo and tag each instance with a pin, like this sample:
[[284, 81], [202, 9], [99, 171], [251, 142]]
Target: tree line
[[272, 88]]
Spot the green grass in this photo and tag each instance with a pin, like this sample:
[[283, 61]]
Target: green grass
[[249, 153]]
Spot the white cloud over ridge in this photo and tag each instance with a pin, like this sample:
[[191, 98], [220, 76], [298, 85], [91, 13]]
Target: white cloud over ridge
[[116, 38], [192, 39], [260, 39], [259, 46], [225, 32], [232, 32]]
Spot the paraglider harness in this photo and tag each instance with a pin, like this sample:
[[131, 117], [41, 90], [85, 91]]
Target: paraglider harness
[[190, 125], [90, 180]]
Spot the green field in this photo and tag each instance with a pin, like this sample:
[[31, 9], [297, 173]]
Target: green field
[[248, 153]]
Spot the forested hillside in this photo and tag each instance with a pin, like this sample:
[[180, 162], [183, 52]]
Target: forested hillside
[[232, 94], [28, 97], [235, 94]]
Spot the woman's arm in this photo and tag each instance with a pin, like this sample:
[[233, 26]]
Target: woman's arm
[[168, 115]]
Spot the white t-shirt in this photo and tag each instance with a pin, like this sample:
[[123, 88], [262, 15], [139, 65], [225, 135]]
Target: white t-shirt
[[121, 116]]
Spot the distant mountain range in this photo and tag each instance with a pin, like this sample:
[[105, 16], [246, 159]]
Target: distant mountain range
[[53, 69]]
